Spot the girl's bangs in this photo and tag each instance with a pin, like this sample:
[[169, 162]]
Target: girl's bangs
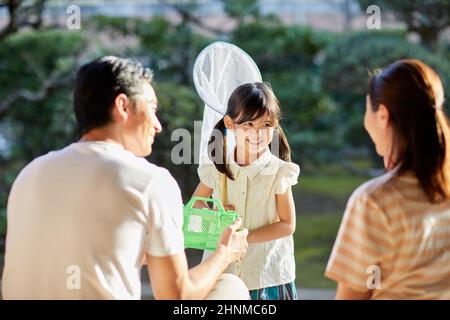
[[253, 112]]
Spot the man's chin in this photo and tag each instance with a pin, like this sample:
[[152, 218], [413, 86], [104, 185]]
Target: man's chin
[[148, 152], [143, 153]]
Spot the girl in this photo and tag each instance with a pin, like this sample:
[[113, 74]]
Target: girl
[[258, 187], [394, 240]]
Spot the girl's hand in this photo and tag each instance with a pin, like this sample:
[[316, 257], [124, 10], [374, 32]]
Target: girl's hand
[[230, 207]]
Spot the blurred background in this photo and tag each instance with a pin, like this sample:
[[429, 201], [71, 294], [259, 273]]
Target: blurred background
[[316, 54]]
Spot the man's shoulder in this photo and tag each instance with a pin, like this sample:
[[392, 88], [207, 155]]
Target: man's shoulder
[[111, 161]]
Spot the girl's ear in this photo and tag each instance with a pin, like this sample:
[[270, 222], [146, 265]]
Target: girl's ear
[[229, 124]]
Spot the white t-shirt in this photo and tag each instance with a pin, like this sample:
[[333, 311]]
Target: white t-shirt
[[253, 193], [80, 220]]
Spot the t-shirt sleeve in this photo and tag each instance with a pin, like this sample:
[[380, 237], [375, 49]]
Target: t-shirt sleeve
[[287, 176], [208, 175], [165, 235], [362, 244]]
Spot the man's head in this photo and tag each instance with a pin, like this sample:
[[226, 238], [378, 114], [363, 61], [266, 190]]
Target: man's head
[[114, 96]]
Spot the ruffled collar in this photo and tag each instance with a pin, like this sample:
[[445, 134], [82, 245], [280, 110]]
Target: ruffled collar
[[252, 169]]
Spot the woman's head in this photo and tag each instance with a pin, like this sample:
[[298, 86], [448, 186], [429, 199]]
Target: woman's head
[[253, 115], [405, 119]]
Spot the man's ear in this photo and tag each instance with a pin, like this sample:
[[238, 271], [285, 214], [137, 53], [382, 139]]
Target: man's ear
[[383, 116], [121, 108], [229, 124]]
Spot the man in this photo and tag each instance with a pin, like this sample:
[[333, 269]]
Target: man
[[81, 220]]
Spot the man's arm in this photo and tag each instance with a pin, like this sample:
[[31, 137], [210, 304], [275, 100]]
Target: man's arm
[[171, 278]]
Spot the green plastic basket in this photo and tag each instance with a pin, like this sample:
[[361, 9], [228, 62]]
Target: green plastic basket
[[203, 227]]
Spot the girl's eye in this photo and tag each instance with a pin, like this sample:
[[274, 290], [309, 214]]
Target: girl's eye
[[267, 125], [248, 124]]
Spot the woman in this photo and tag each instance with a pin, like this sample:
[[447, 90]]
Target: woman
[[394, 240]]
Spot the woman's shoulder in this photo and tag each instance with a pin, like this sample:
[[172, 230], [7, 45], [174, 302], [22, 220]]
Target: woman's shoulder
[[374, 189]]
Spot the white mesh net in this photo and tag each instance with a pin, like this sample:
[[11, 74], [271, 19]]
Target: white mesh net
[[219, 69]]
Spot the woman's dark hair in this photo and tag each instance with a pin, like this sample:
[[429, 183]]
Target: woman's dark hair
[[413, 94], [247, 102], [97, 85]]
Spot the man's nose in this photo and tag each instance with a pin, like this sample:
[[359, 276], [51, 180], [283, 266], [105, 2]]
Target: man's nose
[[158, 126]]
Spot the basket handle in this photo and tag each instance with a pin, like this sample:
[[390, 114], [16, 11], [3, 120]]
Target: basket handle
[[217, 202]]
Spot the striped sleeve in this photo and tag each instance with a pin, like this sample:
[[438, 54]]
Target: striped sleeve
[[362, 244]]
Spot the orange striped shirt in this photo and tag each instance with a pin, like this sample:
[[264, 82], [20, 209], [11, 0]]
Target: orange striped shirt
[[393, 241]]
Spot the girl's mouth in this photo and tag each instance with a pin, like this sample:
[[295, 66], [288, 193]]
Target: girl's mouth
[[257, 143]]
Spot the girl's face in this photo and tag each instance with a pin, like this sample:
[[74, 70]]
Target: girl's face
[[252, 137]]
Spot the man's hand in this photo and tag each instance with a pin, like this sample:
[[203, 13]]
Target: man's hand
[[234, 242]]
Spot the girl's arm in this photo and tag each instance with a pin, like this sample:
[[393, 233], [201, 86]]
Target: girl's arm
[[206, 192], [202, 191], [283, 228]]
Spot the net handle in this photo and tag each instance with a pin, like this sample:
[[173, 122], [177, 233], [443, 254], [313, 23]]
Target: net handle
[[217, 202], [224, 185]]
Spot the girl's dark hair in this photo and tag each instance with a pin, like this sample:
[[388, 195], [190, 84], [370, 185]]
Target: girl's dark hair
[[248, 102], [413, 94]]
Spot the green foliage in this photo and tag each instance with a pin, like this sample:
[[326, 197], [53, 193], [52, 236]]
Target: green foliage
[[427, 18], [2, 223], [27, 60], [241, 8], [348, 63], [170, 49], [278, 47], [179, 108], [31, 59]]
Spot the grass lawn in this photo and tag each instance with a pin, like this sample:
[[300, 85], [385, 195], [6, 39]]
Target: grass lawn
[[313, 240], [338, 186], [316, 232]]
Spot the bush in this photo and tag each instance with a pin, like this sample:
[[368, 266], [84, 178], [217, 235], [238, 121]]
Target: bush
[[345, 72], [347, 61]]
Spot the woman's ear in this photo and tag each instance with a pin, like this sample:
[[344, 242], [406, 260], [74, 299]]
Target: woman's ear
[[229, 124], [383, 116]]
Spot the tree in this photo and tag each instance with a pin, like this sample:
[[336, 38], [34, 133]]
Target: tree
[[22, 14], [346, 70], [427, 18]]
